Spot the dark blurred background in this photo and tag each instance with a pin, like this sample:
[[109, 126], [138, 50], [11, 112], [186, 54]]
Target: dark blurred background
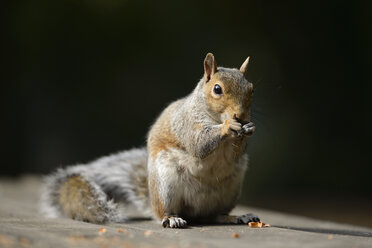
[[82, 79]]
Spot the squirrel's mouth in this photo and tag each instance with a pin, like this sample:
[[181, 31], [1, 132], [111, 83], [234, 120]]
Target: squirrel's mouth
[[243, 122]]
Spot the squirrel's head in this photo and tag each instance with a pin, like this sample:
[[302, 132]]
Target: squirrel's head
[[227, 91]]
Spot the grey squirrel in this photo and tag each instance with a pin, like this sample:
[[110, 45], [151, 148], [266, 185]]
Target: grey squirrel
[[191, 171]]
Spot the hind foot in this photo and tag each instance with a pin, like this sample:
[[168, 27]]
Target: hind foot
[[173, 222], [242, 219]]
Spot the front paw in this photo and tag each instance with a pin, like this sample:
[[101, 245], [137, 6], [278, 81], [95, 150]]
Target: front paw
[[248, 129], [246, 218], [173, 222], [230, 127]]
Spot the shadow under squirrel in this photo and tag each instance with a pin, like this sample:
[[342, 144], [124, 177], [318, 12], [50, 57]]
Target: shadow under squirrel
[[192, 169]]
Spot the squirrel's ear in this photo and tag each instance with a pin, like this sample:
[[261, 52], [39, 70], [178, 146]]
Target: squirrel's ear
[[210, 67], [243, 68]]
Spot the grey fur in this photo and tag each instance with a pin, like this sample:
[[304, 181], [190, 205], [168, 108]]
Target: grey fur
[[194, 109], [114, 180], [121, 179], [201, 176]]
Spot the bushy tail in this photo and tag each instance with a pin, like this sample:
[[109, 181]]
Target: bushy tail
[[94, 192]]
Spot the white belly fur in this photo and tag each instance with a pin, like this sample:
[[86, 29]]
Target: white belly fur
[[199, 188]]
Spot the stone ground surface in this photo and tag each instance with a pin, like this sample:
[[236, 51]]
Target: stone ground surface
[[22, 226]]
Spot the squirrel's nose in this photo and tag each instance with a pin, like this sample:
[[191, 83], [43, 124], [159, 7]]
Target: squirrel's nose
[[240, 115]]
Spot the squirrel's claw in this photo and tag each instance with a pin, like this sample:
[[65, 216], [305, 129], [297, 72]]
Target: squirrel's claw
[[230, 126], [245, 219], [236, 126], [248, 129], [173, 222]]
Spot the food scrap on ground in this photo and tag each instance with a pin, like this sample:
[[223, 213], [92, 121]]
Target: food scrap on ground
[[258, 224], [5, 241], [24, 242], [148, 233], [235, 235], [255, 224]]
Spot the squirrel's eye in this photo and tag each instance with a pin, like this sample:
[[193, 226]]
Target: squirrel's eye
[[217, 89]]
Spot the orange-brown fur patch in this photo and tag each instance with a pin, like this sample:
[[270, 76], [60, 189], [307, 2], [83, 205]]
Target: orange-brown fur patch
[[156, 202], [161, 137], [225, 130], [230, 101], [162, 141], [214, 101], [77, 201]]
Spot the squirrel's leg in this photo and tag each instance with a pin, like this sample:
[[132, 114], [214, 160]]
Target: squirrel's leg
[[165, 190], [159, 208], [208, 139], [232, 219]]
